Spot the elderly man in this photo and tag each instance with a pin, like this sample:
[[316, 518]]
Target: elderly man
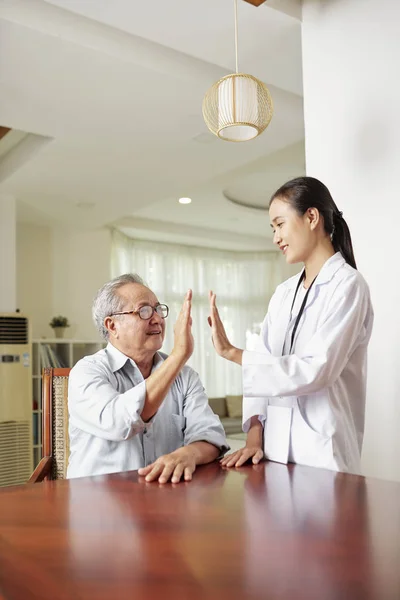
[[133, 407]]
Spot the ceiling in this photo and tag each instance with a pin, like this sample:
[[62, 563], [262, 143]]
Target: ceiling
[[114, 91]]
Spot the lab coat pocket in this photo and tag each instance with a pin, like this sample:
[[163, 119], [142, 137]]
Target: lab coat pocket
[[309, 446], [314, 415]]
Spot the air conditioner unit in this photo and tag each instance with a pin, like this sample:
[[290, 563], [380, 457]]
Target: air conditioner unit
[[15, 399]]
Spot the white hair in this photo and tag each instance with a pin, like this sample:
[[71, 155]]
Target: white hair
[[107, 300]]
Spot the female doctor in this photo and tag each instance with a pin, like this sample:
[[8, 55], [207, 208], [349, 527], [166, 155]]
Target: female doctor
[[304, 389]]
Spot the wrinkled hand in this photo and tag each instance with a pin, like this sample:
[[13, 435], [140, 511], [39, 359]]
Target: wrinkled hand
[[220, 340], [173, 466], [183, 338], [238, 458]]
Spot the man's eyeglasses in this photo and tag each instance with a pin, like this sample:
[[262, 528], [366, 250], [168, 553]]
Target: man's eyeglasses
[[146, 312]]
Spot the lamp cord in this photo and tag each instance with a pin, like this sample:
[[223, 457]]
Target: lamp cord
[[236, 36]]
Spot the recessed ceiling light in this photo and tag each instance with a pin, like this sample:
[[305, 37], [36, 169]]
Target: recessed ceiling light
[[185, 200]]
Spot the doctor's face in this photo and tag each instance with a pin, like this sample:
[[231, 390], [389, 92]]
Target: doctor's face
[[292, 232]]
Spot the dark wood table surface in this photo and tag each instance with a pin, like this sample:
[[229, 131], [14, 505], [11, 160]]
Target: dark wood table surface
[[265, 532]]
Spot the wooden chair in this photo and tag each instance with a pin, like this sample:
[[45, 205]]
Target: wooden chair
[[55, 437]]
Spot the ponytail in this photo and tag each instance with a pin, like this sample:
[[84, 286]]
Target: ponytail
[[341, 239]]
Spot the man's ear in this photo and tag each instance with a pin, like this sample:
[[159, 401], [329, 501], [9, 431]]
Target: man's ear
[[313, 217], [109, 324]]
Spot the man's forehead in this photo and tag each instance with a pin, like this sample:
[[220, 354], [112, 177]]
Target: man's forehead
[[136, 292]]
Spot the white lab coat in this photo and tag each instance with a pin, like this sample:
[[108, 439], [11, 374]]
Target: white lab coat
[[323, 382]]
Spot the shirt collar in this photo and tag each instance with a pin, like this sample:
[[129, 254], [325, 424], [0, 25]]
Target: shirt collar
[[329, 269], [118, 359]]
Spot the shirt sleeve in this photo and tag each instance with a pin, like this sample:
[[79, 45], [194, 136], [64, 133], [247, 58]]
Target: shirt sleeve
[[97, 408], [323, 358], [202, 425]]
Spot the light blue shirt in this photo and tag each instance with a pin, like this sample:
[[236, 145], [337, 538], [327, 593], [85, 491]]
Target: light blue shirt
[[106, 395]]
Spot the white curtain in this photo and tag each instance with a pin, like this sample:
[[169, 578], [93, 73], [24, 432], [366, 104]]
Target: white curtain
[[243, 282]]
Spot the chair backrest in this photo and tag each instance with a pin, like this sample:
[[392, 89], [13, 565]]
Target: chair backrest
[[55, 419]]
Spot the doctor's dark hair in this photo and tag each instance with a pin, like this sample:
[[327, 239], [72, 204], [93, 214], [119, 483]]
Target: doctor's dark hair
[[303, 193]]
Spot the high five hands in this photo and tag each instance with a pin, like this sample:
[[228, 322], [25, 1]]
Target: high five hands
[[183, 342]]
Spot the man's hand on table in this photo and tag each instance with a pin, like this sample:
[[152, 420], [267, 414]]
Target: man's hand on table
[[172, 467]]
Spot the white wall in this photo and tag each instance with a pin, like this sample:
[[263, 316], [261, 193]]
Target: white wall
[[8, 280], [58, 272], [34, 276], [81, 266], [351, 53]]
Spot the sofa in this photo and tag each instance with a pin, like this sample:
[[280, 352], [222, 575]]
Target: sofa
[[229, 410]]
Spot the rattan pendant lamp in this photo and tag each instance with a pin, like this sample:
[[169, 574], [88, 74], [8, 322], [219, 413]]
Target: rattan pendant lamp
[[238, 107]]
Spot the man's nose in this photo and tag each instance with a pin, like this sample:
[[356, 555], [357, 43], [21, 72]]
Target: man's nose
[[156, 318]]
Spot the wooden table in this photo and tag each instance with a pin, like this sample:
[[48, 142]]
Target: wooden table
[[266, 532]]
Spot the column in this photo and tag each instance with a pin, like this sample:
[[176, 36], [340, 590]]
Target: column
[[351, 53], [8, 263]]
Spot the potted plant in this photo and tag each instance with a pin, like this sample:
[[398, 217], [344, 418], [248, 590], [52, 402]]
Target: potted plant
[[59, 324]]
